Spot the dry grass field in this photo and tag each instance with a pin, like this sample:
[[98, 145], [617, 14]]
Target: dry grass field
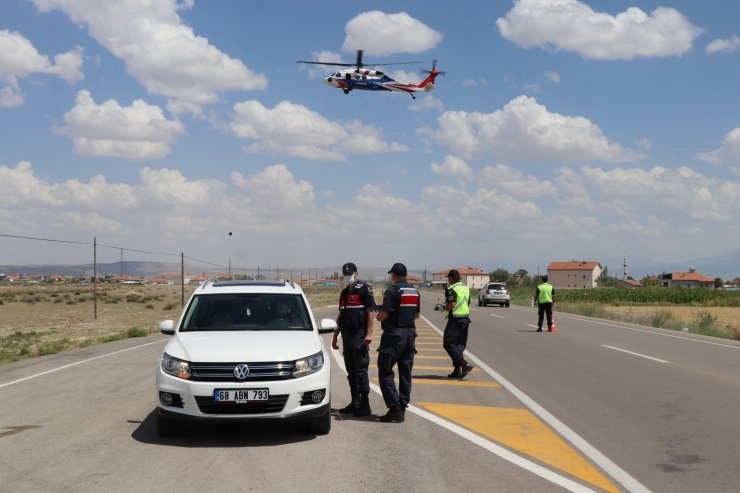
[[37, 319], [728, 317]]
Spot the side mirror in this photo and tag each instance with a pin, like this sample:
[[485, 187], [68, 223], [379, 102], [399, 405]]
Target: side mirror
[[167, 327], [327, 325]]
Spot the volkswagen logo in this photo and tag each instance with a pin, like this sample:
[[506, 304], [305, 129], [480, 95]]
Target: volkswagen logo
[[241, 371]]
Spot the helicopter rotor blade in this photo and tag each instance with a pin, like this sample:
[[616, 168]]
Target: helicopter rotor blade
[[328, 63], [358, 62]]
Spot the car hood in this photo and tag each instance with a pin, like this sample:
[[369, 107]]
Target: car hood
[[227, 346]]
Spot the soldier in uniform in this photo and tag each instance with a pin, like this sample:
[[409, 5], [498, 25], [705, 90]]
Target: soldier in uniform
[[457, 311], [355, 323], [398, 313]]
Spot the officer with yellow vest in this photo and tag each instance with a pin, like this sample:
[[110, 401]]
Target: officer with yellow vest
[[457, 311], [544, 295]]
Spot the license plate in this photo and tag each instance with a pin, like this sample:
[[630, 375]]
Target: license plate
[[241, 396]]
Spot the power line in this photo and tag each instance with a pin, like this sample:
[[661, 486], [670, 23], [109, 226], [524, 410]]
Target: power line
[[53, 240]]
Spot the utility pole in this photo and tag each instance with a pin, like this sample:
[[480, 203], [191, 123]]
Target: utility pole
[[95, 277]]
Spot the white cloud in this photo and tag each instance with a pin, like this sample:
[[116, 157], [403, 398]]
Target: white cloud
[[316, 71], [552, 76], [271, 209], [295, 130], [572, 25], [135, 132], [644, 142], [452, 166], [159, 50], [678, 192], [728, 153], [428, 102], [511, 181], [381, 34], [276, 191], [731, 45], [11, 95], [524, 130], [172, 190], [19, 58]]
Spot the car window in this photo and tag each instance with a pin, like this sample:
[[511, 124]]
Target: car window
[[242, 312], [497, 287]]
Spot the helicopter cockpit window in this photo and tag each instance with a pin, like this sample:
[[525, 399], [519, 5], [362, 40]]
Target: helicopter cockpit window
[[337, 74]]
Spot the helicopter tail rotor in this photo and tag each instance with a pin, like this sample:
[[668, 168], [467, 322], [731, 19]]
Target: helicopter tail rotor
[[434, 70]]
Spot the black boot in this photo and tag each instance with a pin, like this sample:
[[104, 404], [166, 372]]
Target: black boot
[[352, 406], [364, 408], [466, 368], [456, 373], [394, 415]]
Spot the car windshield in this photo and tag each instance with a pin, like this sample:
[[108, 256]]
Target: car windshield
[[498, 287], [244, 312]]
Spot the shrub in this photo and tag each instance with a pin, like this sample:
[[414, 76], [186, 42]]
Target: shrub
[[661, 318]]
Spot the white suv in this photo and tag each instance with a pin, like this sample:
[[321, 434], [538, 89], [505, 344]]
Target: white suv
[[245, 351], [494, 292]]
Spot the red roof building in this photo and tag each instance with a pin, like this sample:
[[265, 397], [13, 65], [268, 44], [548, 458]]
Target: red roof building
[[690, 279]]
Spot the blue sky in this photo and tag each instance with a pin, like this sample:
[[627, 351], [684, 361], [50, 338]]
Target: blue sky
[[562, 129]]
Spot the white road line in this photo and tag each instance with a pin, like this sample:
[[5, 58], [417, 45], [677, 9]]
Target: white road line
[[499, 316], [636, 354], [7, 384], [492, 447], [616, 472]]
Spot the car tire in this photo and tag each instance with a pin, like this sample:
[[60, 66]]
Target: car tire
[[320, 425], [485, 302], [507, 304], [167, 427], [480, 303]]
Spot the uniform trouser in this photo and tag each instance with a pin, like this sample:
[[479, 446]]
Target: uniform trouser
[[397, 346], [456, 338], [542, 309], [356, 361]]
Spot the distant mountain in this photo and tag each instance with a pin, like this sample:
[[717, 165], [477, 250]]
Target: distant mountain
[[726, 266], [134, 269]]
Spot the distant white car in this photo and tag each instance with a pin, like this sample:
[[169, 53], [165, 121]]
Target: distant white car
[[245, 351], [493, 293]]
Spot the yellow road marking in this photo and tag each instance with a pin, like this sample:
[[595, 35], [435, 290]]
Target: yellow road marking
[[449, 381], [521, 430], [424, 367], [419, 356]]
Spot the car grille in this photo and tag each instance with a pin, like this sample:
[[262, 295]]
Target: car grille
[[274, 404], [224, 372]]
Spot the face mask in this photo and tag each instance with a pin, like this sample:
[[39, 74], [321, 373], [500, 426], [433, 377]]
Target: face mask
[[348, 280]]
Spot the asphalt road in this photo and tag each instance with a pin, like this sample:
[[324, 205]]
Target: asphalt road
[[569, 411]]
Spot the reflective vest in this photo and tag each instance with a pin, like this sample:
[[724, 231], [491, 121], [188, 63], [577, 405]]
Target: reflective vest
[[545, 292], [462, 302]]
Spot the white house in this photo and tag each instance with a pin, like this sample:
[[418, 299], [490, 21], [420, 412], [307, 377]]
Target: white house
[[472, 278], [576, 274]]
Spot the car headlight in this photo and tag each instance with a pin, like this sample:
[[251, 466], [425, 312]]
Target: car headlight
[[175, 367], [309, 365]]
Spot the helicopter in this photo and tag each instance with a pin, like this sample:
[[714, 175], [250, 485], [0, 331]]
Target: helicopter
[[364, 79]]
